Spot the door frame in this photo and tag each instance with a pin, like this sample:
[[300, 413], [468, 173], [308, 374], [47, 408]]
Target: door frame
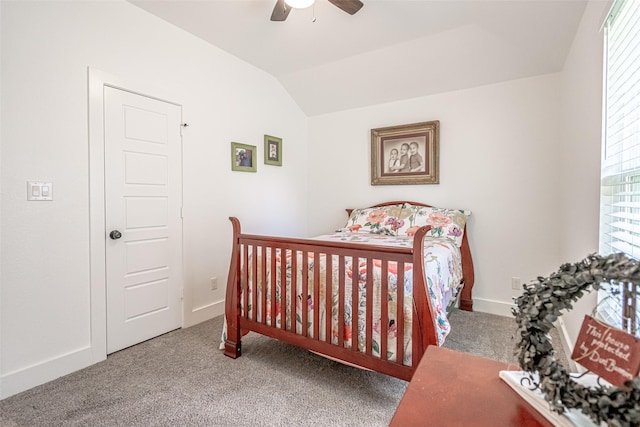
[[97, 80]]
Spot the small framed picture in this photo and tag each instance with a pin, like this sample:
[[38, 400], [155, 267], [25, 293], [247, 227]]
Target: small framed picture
[[406, 154], [243, 157], [272, 150]]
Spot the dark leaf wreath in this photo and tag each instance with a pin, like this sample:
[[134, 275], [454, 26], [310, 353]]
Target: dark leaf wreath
[[540, 305]]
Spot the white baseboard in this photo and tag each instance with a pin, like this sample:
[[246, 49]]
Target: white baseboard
[[500, 308], [504, 309], [567, 346], [25, 378], [40, 373], [205, 312]]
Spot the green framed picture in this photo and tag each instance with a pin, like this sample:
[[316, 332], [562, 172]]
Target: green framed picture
[[243, 157], [272, 150]]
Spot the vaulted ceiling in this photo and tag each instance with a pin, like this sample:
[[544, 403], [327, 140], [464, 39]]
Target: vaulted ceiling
[[389, 50]]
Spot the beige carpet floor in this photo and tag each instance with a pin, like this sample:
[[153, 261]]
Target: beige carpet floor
[[182, 379]]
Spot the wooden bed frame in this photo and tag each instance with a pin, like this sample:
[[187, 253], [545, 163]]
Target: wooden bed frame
[[424, 330]]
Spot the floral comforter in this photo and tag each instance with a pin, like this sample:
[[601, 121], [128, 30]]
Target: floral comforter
[[443, 268]]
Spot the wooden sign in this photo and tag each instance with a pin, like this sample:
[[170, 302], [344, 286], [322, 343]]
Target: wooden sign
[[608, 352]]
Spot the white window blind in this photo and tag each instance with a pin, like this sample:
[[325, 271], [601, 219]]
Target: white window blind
[[620, 184]]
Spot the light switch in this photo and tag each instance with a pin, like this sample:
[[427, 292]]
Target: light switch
[[39, 191]]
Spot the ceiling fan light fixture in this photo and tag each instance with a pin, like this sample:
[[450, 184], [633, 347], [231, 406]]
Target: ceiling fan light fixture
[[299, 4]]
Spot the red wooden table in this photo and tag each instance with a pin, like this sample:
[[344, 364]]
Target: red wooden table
[[451, 388]]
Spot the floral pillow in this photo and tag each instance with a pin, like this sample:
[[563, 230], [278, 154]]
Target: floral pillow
[[381, 220], [447, 223]]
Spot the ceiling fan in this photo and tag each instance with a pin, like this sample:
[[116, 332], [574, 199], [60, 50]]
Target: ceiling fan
[[282, 7]]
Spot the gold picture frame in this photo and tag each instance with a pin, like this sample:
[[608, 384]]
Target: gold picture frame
[[405, 154], [243, 157]]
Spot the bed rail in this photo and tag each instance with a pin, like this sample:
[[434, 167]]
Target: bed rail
[[249, 268]]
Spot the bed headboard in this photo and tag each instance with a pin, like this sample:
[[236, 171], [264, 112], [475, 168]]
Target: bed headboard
[[400, 202]]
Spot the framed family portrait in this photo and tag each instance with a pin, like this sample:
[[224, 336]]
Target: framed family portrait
[[405, 154], [272, 150], [243, 157]]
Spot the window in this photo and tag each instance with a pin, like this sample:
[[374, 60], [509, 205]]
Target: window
[[620, 183]]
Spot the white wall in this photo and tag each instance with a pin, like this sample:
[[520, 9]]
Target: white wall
[[524, 156], [1, 198], [499, 157], [45, 279], [580, 161], [504, 151]]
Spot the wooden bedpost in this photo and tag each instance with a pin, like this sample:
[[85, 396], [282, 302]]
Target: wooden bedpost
[[424, 329], [466, 303], [232, 345]]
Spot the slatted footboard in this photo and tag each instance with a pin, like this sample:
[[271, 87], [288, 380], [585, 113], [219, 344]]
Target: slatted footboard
[[256, 302]]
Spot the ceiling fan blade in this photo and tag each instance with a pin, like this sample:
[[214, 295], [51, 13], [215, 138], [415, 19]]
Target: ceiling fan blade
[[280, 11], [349, 6]]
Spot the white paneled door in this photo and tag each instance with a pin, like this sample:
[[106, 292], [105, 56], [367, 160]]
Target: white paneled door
[[143, 222]]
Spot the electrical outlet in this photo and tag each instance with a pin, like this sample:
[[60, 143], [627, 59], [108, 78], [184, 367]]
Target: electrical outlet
[[516, 283], [214, 283]]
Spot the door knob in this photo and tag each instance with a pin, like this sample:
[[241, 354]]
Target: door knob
[[115, 234]]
